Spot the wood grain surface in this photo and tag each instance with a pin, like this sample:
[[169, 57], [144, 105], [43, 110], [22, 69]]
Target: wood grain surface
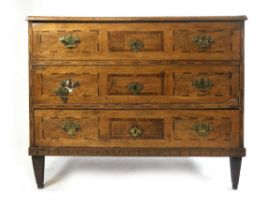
[[138, 91], [161, 84], [160, 128], [161, 41]]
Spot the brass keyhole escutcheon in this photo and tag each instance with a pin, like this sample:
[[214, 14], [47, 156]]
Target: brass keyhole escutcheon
[[136, 45], [135, 88], [135, 132]]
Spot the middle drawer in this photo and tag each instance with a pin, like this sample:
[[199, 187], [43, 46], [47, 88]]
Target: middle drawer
[[191, 84]]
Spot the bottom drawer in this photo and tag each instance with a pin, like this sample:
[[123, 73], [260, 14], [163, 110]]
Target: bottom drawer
[[137, 128]]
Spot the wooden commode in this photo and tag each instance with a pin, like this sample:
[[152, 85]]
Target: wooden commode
[[138, 86]]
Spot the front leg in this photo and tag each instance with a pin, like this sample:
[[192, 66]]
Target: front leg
[[39, 168], [235, 166]]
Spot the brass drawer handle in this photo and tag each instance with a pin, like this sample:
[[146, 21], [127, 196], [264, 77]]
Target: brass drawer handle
[[202, 129], [135, 88], [202, 84], [135, 132], [69, 41], [66, 87], [203, 41], [136, 45], [71, 128]]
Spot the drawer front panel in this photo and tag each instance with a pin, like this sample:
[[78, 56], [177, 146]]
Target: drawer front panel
[[138, 128], [193, 85], [135, 84], [136, 41], [127, 41]]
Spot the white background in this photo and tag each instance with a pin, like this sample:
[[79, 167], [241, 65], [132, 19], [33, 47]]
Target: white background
[[143, 183]]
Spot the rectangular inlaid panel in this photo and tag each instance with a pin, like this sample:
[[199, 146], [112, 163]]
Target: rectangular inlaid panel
[[206, 128], [48, 43], [137, 128], [207, 39], [142, 84], [219, 41], [50, 85], [209, 84], [130, 128], [122, 40], [65, 129], [198, 129]]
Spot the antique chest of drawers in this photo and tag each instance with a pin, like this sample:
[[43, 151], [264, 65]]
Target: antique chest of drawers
[[136, 87]]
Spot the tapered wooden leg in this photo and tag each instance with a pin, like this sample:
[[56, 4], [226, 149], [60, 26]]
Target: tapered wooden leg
[[39, 168], [235, 166]]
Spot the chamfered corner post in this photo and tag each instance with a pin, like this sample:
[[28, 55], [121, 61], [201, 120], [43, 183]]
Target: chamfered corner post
[[235, 166], [39, 169]]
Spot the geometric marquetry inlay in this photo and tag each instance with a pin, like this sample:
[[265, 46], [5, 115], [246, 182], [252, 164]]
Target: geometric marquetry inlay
[[149, 128], [184, 129]]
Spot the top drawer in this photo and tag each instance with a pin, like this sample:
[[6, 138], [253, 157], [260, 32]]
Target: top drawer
[[136, 41]]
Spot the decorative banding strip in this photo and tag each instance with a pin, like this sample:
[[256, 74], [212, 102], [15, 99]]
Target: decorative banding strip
[[63, 151]]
